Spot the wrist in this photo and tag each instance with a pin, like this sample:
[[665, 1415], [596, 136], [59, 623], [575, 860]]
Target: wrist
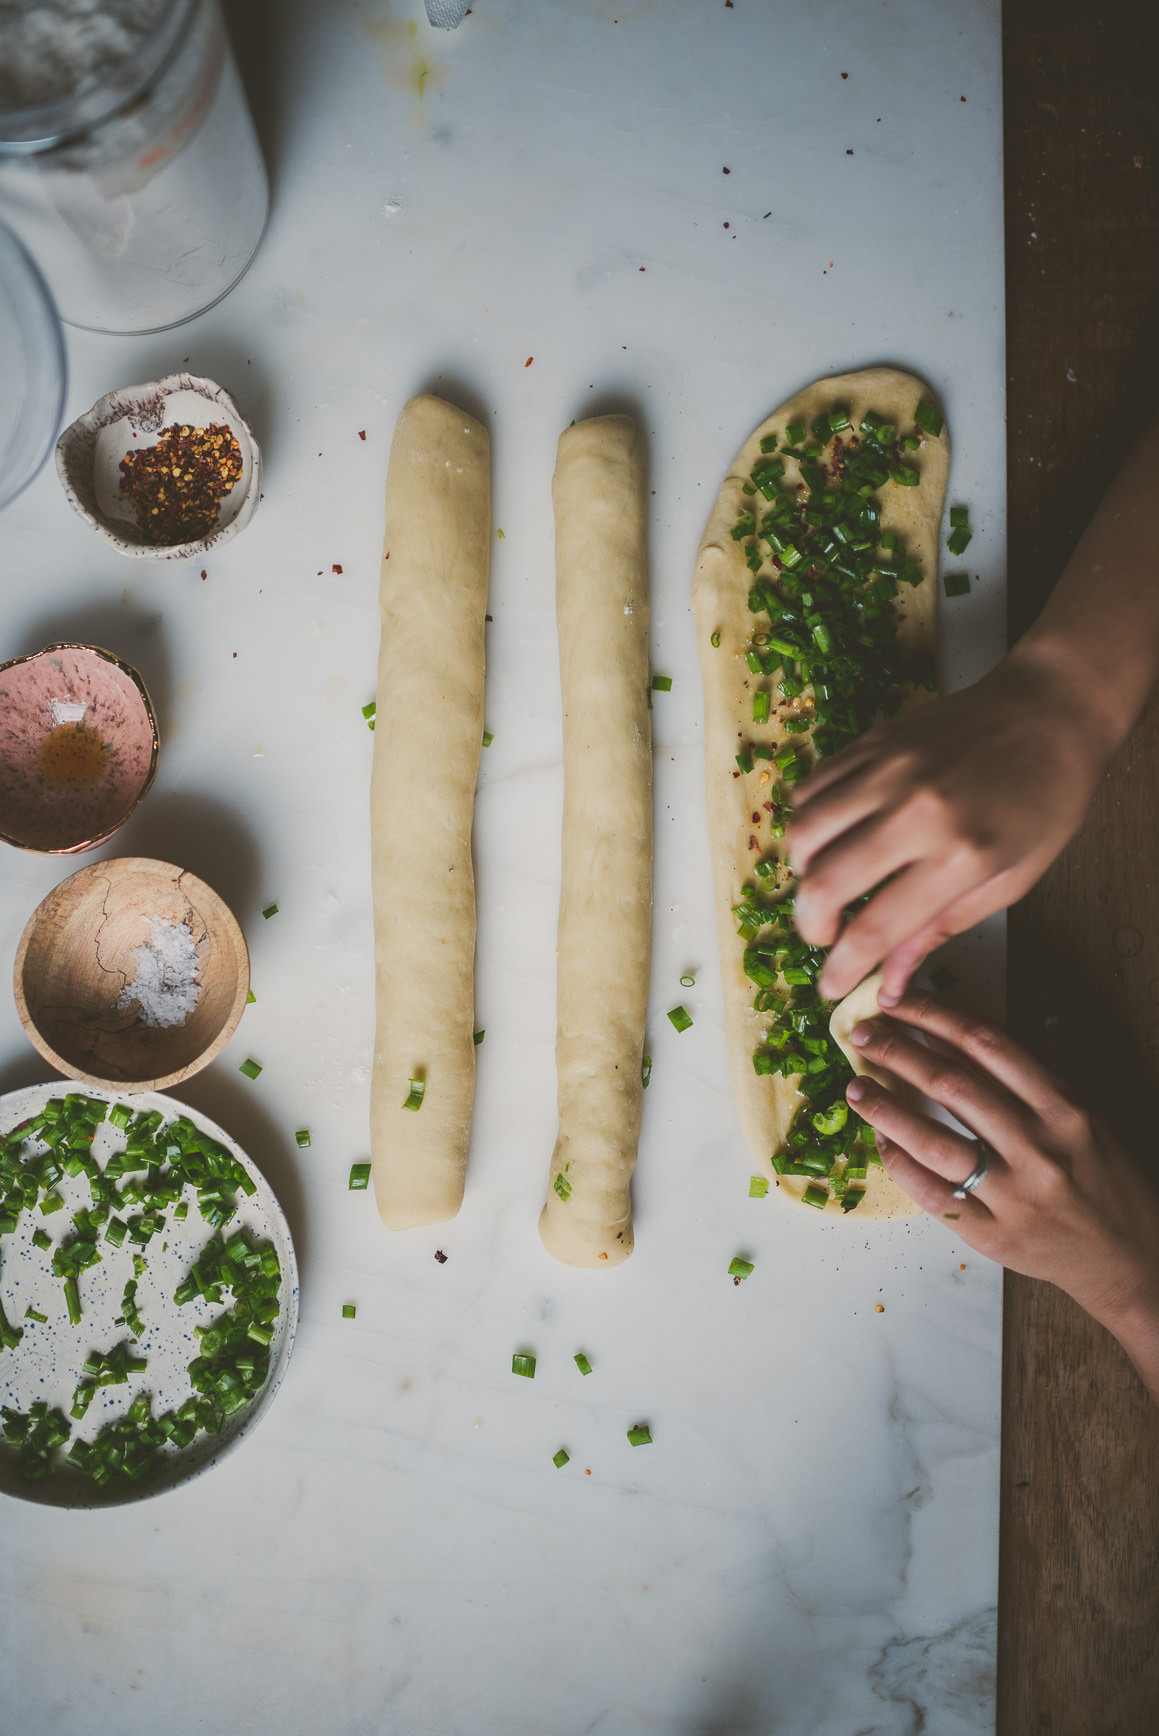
[[1060, 675], [1133, 1320]]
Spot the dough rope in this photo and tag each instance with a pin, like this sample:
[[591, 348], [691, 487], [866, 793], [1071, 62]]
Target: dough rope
[[605, 911], [427, 741], [747, 756]]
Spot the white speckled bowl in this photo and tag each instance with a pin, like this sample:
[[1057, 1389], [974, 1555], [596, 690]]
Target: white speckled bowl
[[46, 1364], [89, 453]]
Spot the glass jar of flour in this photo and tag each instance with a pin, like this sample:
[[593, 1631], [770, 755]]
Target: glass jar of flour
[[129, 166]]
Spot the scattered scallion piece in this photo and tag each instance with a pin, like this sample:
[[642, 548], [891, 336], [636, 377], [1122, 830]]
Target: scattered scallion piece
[[251, 998], [688, 981], [369, 713], [640, 1435], [816, 1196], [758, 1186], [959, 515], [956, 584], [414, 1097], [31, 1313], [582, 1362], [562, 1186], [41, 1238], [959, 540], [523, 1364], [714, 639], [349, 1311], [680, 1018], [646, 1071], [250, 1068], [661, 683], [929, 418], [739, 1268], [560, 1459], [270, 910], [488, 738], [478, 1036], [302, 1136], [359, 1177]]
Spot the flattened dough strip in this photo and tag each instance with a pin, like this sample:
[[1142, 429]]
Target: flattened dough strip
[[427, 740], [605, 912], [766, 1105]]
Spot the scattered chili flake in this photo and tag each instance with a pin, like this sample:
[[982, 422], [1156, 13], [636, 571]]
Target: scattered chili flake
[[440, 1257], [529, 361], [879, 1307], [726, 171], [204, 574], [362, 433], [335, 568], [177, 485]]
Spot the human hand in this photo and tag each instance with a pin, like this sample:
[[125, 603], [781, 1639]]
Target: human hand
[[1062, 1199], [959, 805]]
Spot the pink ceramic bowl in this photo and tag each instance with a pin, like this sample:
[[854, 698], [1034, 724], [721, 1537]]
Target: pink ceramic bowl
[[78, 747]]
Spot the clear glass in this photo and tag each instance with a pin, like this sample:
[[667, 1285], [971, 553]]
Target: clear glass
[[143, 198], [32, 373]]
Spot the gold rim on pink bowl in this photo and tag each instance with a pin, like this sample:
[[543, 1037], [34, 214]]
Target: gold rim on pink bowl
[[75, 763]]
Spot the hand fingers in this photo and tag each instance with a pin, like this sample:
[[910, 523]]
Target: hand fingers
[[949, 1156], [833, 771], [931, 1192], [991, 1050], [862, 857], [912, 901], [975, 1097], [834, 798]]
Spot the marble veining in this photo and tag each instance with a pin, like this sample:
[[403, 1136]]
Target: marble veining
[[809, 1546]]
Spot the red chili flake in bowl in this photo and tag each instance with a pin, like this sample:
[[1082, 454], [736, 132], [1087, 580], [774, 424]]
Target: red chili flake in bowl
[[177, 485]]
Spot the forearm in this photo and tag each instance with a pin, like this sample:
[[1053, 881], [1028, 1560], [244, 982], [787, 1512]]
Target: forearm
[[1099, 632]]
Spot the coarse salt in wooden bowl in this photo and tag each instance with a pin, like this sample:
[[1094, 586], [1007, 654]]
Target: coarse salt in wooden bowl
[[147, 515], [131, 974], [78, 747]]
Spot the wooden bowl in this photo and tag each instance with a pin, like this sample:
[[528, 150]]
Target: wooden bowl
[[108, 928]]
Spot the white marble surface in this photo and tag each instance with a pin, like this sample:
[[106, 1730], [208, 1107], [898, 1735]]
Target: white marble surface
[[810, 1546]]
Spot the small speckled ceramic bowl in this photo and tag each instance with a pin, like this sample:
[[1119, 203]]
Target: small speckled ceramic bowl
[[89, 454], [99, 934], [78, 747]]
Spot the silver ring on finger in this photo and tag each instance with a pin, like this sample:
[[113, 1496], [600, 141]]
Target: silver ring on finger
[[977, 1175]]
